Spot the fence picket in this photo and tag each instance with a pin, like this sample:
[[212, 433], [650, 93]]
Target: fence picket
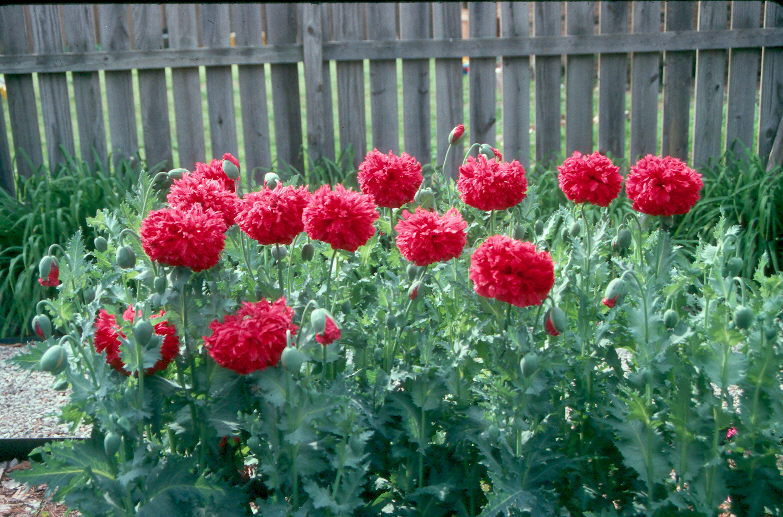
[[548, 141], [312, 35], [678, 83], [350, 81], [252, 92], [613, 71], [383, 80], [644, 84], [415, 24], [53, 87], [710, 86], [448, 86], [579, 82], [22, 109], [148, 35], [285, 88], [771, 110], [6, 170], [743, 78], [482, 80], [220, 85], [79, 36], [515, 21]]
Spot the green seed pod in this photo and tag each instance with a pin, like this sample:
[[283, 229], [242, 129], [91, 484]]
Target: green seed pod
[[529, 364], [124, 424], [575, 229], [271, 179], [42, 326], [308, 252], [670, 319], [126, 257], [230, 170], [111, 443], [412, 271], [623, 239], [425, 198], [160, 284], [743, 317], [45, 266], [60, 385], [175, 174], [539, 227], [279, 252], [734, 266], [519, 232], [254, 443], [292, 359], [142, 332], [487, 151], [100, 244], [770, 332], [615, 289], [54, 360]]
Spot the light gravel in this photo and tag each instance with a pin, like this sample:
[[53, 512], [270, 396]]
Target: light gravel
[[29, 407]]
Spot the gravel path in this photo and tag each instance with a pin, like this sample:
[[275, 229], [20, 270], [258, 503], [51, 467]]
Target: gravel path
[[30, 407]]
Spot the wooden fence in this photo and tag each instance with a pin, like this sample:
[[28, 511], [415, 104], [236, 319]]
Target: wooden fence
[[689, 79]]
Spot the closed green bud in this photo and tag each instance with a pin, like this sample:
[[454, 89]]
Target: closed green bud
[[292, 359], [160, 284], [45, 266], [54, 360], [575, 229], [279, 252], [519, 232], [539, 227], [487, 151], [308, 252], [100, 244], [734, 266], [254, 443], [347, 308], [124, 424], [391, 321], [412, 271], [230, 170], [89, 294], [770, 332], [615, 289], [126, 257], [42, 326], [529, 364], [143, 331], [555, 321], [271, 179], [111, 443], [318, 319], [175, 174], [743, 317], [623, 239], [670, 319], [425, 198]]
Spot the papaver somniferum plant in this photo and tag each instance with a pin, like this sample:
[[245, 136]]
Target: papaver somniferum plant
[[240, 349]]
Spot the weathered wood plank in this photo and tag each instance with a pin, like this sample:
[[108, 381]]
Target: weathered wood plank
[[516, 86], [6, 169], [329, 136], [644, 83], [579, 82], [188, 112], [383, 80], [743, 81], [446, 23], [22, 110], [678, 83], [312, 36], [415, 24], [148, 35], [612, 80], [115, 36], [548, 141], [220, 85], [282, 25], [710, 87], [350, 82], [79, 36], [252, 92], [771, 109], [52, 87], [775, 158], [482, 80]]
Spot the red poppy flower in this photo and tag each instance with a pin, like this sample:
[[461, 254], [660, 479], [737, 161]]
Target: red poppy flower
[[512, 271], [424, 236], [253, 338], [343, 218], [330, 334], [192, 238], [609, 302], [591, 178], [389, 179], [273, 216], [214, 170], [491, 184], [662, 186], [193, 189], [53, 279]]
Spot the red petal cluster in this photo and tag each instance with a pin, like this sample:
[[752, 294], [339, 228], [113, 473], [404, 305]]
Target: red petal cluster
[[456, 134], [424, 236], [53, 280], [591, 178], [273, 216], [491, 184], [609, 302], [330, 334], [662, 186], [512, 271], [191, 238], [389, 179], [343, 218], [214, 170], [253, 338], [108, 334], [194, 189]]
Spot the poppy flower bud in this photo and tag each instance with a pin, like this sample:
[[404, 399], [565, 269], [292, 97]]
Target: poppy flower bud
[[230, 170], [670, 319], [308, 252], [89, 294], [100, 244], [160, 284], [539, 227], [743, 317], [142, 331], [279, 253], [555, 321], [614, 292], [487, 151], [126, 257], [111, 443], [176, 174], [734, 266], [54, 359], [413, 290], [623, 239], [42, 326], [292, 359], [575, 229], [529, 364], [519, 232], [271, 179], [48, 271], [425, 198], [412, 271], [770, 332], [456, 134], [326, 329]]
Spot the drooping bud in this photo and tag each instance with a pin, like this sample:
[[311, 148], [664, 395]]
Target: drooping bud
[[292, 359], [412, 271], [487, 151], [575, 229], [326, 329], [743, 317], [734, 266], [425, 198], [111, 443], [614, 292], [623, 239], [100, 244], [42, 326], [143, 331], [555, 321], [539, 227], [126, 257], [279, 253], [456, 134], [54, 360], [271, 179], [413, 290], [230, 170], [670, 319], [160, 284], [529, 364], [308, 252], [175, 174], [519, 232], [48, 271]]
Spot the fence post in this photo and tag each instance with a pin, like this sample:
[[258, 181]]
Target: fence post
[[644, 84], [446, 24], [678, 84], [612, 81], [483, 24], [383, 80], [415, 21], [548, 140], [743, 75], [6, 172], [579, 82], [312, 40], [515, 18], [771, 110], [350, 82]]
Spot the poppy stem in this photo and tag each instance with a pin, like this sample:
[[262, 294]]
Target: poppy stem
[[279, 262]]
